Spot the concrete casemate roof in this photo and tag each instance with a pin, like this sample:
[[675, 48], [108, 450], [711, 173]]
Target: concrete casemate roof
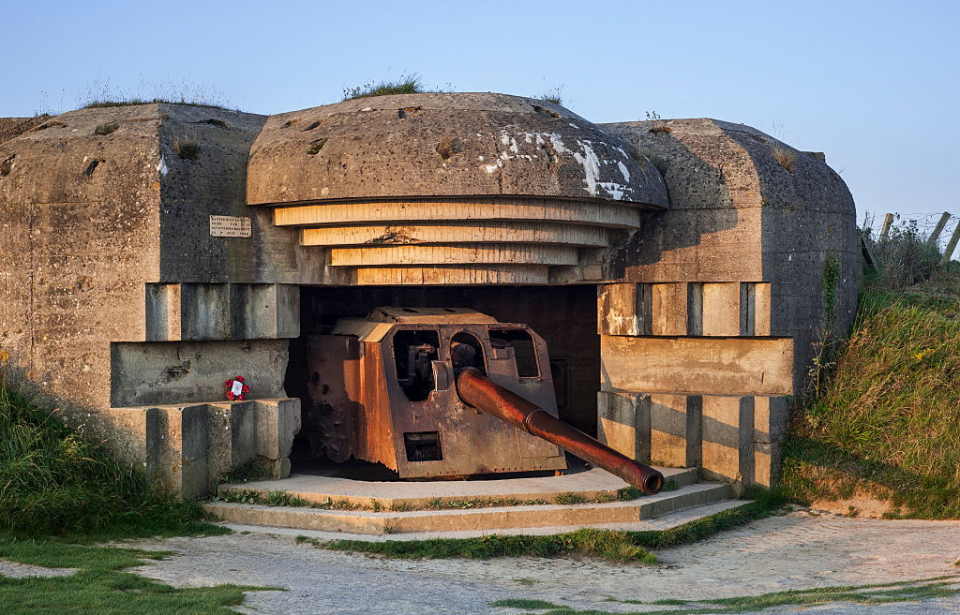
[[445, 145]]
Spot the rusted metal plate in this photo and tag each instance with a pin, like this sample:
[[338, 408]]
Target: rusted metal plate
[[330, 414], [402, 420]]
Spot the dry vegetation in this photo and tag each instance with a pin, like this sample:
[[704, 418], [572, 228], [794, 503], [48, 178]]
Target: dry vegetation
[[187, 149], [784, 157]]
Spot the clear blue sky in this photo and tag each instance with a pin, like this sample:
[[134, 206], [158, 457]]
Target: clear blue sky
[[875, 85]]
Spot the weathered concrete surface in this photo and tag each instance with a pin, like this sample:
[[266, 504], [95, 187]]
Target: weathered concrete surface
[[81, 216], [743, 254], [453, 233], [457, 144], [691, 365], [11, 127], [569, 516], [99, 206], [728, 437], [391, 495], [188, 447], [161, 372], [737, 214], [470, 234], [212, 182]]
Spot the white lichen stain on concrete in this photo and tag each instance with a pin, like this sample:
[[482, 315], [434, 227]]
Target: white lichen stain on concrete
[[591, 166], [615, 190], [586, 158]]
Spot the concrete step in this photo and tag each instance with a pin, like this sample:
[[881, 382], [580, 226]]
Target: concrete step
[[567, 517], [592, 485], [668, 521]]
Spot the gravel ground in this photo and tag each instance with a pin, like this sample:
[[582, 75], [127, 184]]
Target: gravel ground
[[796, 551], [16, 570]]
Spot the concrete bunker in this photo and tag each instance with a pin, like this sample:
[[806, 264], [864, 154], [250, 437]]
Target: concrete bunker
[[675, 268]]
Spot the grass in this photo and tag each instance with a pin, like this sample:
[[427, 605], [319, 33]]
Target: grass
[[315, 146], [585, 542], [873, 594], [105, 129], [104, 591], [55, 553], [905, 257], [100, 94], [280, 498], [406, 84], [53, 482], [128, 102], [99, 586], [569, 498], [553, 95], [606, 544], [886, 424]]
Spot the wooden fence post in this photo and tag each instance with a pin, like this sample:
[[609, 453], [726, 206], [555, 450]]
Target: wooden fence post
[[887, 222], [948, 253], [935, 235]]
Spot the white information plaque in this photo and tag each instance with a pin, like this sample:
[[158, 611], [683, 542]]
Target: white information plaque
[[229, 226]]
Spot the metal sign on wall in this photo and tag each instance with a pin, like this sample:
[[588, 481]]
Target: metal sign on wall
[[229, 226]]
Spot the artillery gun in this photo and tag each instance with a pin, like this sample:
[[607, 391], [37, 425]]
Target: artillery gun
[[444, 392]]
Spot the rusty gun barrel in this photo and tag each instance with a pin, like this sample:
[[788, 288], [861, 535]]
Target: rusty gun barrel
[[480, 392]]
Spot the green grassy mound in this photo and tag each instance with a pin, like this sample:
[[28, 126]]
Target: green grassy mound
[[53, 482], [887, 424]]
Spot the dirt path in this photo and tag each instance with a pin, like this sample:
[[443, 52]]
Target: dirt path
[[796, 551]]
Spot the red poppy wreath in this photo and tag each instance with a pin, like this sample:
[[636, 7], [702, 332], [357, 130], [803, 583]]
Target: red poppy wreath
[[236, 389]]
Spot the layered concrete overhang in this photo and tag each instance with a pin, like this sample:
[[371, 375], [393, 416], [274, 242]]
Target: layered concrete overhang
[[444, 145], [467, 188]]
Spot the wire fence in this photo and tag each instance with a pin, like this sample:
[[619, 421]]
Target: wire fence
[[923, 224]]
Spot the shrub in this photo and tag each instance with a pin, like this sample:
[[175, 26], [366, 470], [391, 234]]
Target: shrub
[[904, 258]]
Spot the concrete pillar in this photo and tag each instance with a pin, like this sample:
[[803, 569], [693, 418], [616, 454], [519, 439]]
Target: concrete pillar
[[771, 420], [623, 309], [675, 430], [624, 423], [727, 431], [721, 309], [278, 421], [668, 309]]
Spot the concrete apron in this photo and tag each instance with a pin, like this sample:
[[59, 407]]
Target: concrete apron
[[380, 508]]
